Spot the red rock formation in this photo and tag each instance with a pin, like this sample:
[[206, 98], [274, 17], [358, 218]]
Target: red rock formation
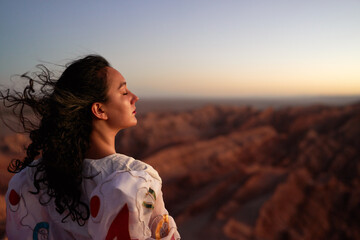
[[238, 173], [241, 173]]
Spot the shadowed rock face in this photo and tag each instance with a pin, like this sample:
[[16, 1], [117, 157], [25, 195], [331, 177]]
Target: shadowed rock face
[[241, 173]]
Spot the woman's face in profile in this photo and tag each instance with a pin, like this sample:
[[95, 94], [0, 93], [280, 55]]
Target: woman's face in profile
[[120, 106]]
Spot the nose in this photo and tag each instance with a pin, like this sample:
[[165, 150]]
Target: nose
[[134, 98]]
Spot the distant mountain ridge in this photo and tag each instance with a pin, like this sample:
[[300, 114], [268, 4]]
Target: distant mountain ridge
[[146, 105]]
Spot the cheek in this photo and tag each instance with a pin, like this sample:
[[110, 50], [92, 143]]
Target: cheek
[[119, 107], [123, 106]]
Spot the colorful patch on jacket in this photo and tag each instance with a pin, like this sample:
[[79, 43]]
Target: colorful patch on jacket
[[41, 231]]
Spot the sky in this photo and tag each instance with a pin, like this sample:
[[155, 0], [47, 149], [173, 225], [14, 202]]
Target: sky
[[192, 48]]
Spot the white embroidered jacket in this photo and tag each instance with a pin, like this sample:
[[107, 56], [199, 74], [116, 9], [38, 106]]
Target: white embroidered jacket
[[125, 202]]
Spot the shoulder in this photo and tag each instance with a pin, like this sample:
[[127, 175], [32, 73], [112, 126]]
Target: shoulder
[[21, 180], [118, 162], [21, 184], [132, 193], [127, 183]]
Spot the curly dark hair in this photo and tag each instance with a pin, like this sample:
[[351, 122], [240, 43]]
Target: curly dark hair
[[62, 135]]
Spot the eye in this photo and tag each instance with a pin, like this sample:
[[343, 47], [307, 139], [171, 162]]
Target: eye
[[124, 91]]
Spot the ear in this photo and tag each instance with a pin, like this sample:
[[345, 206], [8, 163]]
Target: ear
[[98, 111]]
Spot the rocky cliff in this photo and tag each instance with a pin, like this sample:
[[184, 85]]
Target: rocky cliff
[[241, 173]]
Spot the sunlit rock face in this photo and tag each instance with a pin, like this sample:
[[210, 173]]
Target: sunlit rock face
[[242, 173]]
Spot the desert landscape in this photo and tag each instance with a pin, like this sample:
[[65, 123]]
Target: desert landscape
[[240, 172]]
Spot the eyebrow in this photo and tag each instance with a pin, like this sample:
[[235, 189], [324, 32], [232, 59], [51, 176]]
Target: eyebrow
[[122, 84]]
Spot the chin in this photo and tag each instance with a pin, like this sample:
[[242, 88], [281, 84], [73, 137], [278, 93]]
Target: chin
[[133, 124]]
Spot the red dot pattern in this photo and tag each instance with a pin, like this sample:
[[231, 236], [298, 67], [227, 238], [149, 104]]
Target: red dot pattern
[[14, 197], [119, 228], [94, 206]]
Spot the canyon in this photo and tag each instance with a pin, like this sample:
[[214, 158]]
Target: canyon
[[238, 172]]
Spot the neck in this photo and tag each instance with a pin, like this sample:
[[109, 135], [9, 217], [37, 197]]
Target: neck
[[102, 142]]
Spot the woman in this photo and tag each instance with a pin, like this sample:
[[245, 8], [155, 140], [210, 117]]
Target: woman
[[72, 184]]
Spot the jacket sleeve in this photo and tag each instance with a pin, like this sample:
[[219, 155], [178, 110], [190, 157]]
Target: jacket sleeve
[[129, 205]]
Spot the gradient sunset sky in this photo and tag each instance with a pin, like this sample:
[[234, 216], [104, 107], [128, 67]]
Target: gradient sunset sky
[[193, 48]]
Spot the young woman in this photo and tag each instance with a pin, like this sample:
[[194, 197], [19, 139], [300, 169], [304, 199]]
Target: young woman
[[72, 184]]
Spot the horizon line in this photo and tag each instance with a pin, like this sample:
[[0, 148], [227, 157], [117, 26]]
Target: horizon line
[[246, 97]]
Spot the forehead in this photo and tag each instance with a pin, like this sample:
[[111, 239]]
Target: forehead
[[114, 77]]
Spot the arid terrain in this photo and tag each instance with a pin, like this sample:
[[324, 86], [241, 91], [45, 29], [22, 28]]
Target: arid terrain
[[237, 172]]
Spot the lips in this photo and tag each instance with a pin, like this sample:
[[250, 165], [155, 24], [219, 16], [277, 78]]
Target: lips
[[134, 111]]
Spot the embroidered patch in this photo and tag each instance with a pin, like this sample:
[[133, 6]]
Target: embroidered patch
[[148, 205], [94, 206], [151, 197], [119, 228], [162, 228], [152, 193], [14, 197], [41, 231], [14, 200]]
